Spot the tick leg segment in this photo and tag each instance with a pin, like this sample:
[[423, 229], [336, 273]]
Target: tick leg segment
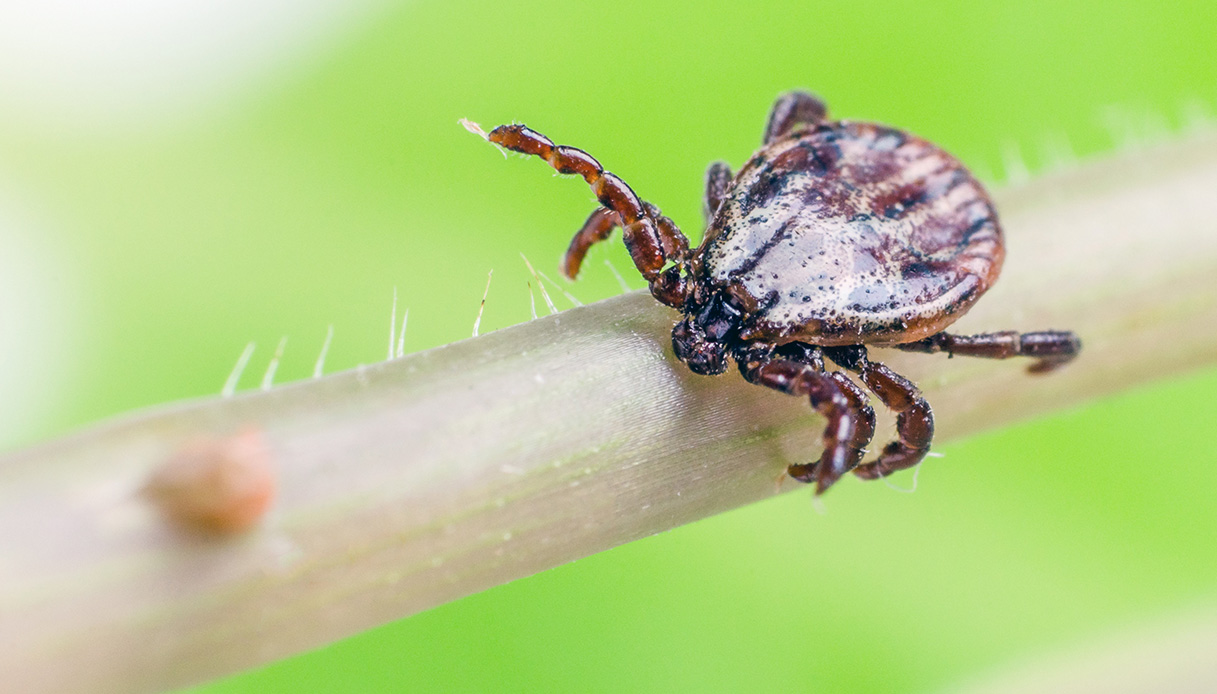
[[1050, 348], [792, 110], [850, 422], [644, 236], [859, 403], [669, 288], [597, 228], [914, 419], [718, 179], [675, 243]]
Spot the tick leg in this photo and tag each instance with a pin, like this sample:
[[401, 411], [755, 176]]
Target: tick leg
[[652, 242], [859, 404], [597, 228], [718, 179], [793, 110], [675, 244], [1051, 348], [850, 422], [914, 419]]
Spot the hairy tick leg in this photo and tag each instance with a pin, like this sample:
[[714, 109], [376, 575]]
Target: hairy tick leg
[[597, 228], [914, 422], [849, 421], [1050, 348], [652, 241]]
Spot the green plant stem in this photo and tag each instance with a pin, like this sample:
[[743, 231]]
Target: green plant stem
[[406, 484]]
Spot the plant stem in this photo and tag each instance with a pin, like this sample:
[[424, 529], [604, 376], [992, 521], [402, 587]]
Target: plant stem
[[413, 482]]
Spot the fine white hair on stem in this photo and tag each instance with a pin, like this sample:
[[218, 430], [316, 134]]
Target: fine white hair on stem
[[544, 294], [1196, 116], [983, 173], [268, 378], [1120, 125], [319, 366], [401, 336], [1058, 151], [532, 301], [1017, 171], [625, 288], [234, 377], [1156, 126], [393, 323], [569, 297], [477, 322]]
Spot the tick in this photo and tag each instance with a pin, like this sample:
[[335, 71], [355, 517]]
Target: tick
[[834, 236]]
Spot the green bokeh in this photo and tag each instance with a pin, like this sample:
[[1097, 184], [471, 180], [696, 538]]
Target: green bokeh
[[306, 204]]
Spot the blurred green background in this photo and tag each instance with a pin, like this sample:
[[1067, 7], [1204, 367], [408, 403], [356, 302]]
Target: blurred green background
[[177, 183]]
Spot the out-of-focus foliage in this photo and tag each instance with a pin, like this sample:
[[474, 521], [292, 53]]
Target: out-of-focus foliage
[[311, 173]]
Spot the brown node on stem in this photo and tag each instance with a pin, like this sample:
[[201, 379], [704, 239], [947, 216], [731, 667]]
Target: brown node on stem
[[215, 484]]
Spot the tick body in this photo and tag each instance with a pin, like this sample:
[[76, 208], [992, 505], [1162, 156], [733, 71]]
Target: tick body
[[835, 235]]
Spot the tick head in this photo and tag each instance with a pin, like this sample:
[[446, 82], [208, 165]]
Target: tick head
[[699, 340], [693, 347]]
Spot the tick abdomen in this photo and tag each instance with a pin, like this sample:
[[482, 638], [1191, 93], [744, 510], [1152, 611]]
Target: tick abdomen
[[853, 232]]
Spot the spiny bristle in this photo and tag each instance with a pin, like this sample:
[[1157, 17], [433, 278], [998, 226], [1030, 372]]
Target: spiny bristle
[[473, 128]]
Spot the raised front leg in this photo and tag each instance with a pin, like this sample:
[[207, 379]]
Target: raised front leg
[[914, 418], [849, 420], [599, 226], [793, 110], [652, 242], [718, 179], [1051, 348]]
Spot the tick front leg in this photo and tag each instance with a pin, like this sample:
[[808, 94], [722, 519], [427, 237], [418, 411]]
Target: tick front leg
[[597, 228], [718, 180], [1051, 348], [793, 110], [652, 241]]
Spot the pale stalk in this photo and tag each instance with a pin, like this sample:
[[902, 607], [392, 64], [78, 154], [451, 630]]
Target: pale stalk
[[409, 483]]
